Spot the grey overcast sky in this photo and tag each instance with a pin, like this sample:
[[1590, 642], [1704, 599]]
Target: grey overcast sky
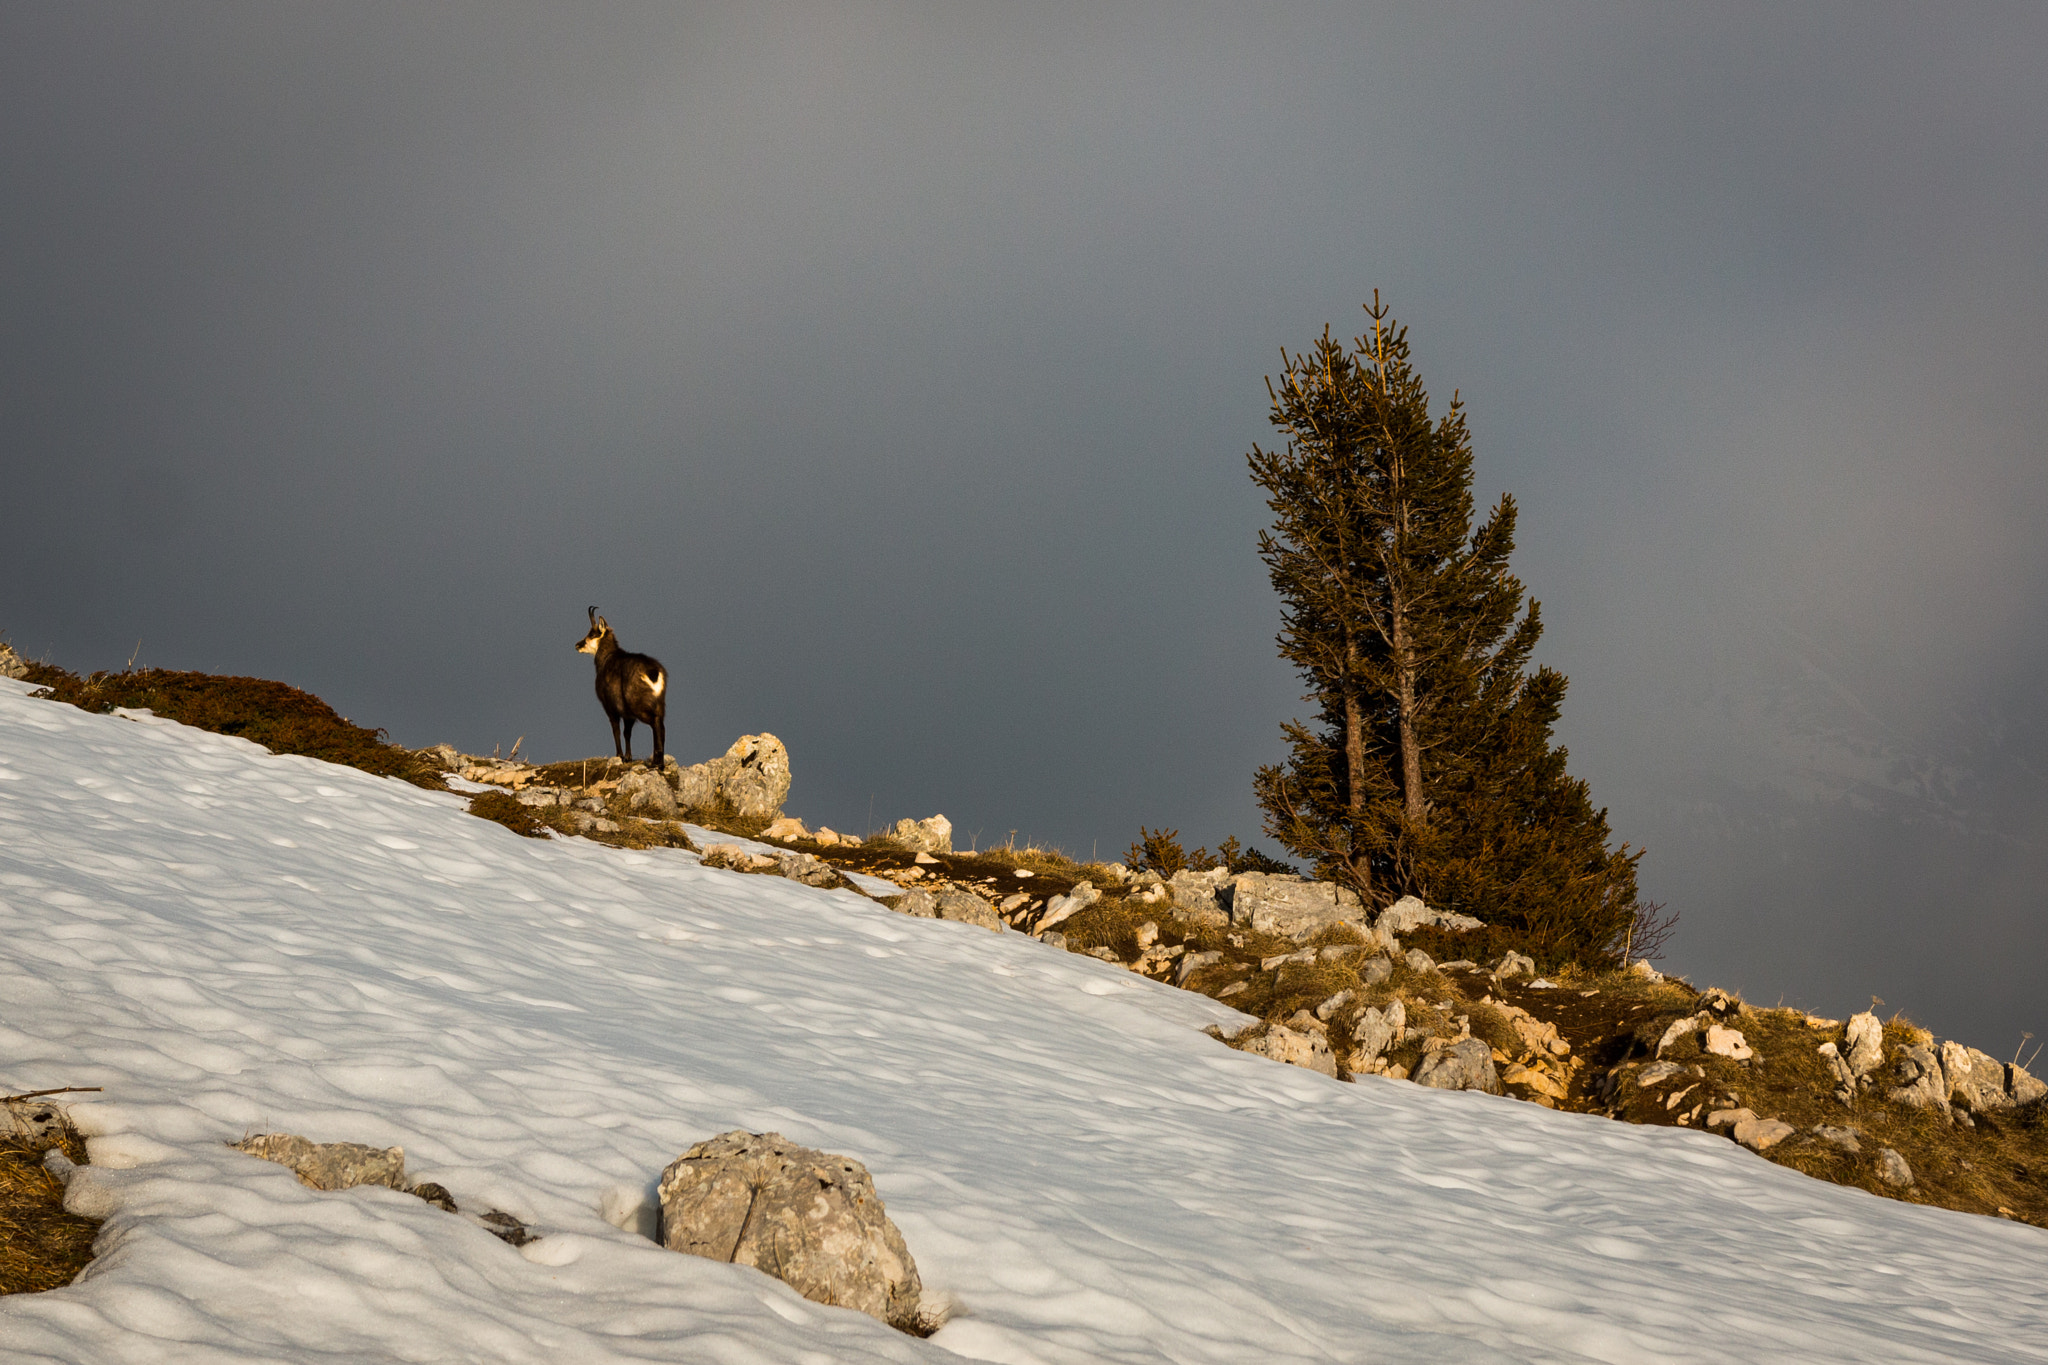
[[887, 370]]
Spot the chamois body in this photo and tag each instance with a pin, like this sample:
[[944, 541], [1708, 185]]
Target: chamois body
[[630, 687]]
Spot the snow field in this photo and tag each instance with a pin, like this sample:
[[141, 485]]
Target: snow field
[[230, 941]]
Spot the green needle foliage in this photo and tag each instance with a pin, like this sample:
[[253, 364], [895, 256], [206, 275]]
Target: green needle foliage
[[1429, 767]]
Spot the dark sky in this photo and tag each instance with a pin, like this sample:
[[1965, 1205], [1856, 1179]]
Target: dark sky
[[888, 371]]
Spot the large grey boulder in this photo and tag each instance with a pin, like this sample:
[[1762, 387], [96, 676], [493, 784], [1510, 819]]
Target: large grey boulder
[[809, 1218], [964, 907], [752, 777], [933, 835], [1292, 907], [330, 1165], [1464, 1065], [1409, 912], [647, 793], [914, 902]]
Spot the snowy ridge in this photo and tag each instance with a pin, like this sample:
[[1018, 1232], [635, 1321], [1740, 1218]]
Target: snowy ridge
[[231, 941]]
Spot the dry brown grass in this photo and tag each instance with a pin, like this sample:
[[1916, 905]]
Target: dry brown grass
[[282, 719], [41, 1246]]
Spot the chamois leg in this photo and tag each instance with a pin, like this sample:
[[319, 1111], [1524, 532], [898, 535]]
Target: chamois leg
[[617, 748], [627, 753], [660, 724]]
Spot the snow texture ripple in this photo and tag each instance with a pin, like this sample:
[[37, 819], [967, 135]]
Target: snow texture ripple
[[230, 942]]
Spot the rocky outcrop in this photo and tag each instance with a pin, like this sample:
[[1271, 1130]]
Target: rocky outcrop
[[811, 1219], [12, 665], [1289, 906], [752, 777], [933, 835]]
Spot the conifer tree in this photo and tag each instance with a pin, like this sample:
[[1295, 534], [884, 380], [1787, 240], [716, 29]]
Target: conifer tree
[[1429, 769]]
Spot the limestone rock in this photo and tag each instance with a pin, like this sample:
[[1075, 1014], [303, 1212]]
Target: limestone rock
[[811, 1219], [330, 1165], [1719, 1003], [1293, 907], [2024, 1088], [1409, 912], [1375, 1032], [1642, 969], [933, 835], [752, 777], [1865, 1041], [1199, 895], [646, 793], [808, 869], [1916, 1078], [12, 665], [1892, 1168], [1307, 1048], [1375, 970], [1722, 1118], [1419, 961], [737, 859], [1762, 1134], [1841, 1139], [1976, 1079], [1727, 1042], [1513, 965], [1845, 1079], [1681, 1029], [1335, 1003], [1060, 909], [964, 907], [1464, 1065], [788, 827], [1194, 962], [915, 902]]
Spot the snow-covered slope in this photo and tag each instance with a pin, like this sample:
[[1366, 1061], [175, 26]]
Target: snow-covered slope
[[231, 941]]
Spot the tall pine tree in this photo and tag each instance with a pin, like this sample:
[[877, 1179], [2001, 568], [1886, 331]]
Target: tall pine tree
[[1430, 768]]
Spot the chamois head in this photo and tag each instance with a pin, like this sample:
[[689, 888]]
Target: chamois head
[[599, 628]]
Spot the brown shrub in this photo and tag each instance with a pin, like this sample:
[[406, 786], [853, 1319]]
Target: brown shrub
[[281, 718]]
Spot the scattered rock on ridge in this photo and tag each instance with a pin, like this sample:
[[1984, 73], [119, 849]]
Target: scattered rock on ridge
[[812, 1219], [933, 835], [1290, 906], [1409, 912], [1892, 1168]]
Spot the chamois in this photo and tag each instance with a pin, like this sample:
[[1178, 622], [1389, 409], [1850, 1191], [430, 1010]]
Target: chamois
[[632, 686]]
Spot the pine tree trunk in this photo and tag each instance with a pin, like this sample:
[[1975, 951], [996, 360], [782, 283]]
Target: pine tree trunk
[[1354, 760], [1404, 702]]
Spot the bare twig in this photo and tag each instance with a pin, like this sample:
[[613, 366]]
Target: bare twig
[[59, 1090]]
